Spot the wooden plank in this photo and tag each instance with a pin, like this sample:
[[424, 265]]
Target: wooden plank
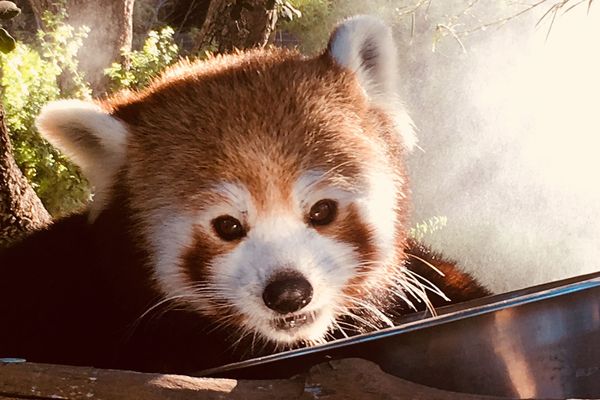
[[77, 383], [343, 379]]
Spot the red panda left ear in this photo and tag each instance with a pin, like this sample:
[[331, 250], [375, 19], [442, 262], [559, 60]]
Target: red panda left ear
[[365, 46], [87, 134]]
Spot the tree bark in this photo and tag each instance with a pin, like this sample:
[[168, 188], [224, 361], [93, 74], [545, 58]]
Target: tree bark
[[21, 211], [239, 24], [110, 24]]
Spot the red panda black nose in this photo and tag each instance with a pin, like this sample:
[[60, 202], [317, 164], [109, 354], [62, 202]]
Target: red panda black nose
[[288, 293]]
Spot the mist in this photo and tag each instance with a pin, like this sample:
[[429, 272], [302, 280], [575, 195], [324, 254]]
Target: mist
[[509, 134]]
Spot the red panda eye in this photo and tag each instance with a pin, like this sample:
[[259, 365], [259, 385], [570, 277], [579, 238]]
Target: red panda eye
[[228, 228], [323, 212]]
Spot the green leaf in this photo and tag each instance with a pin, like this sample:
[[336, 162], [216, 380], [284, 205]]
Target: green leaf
[[7, 42]]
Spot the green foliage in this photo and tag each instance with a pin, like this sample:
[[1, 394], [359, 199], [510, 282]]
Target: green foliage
[[320, 16], [31, 77], [286, 10], [158, 52], [7, 42], [427, 227]]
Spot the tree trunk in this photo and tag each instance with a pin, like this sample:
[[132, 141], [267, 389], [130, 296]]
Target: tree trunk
[[239, 24], [21, 211], [111, 31]]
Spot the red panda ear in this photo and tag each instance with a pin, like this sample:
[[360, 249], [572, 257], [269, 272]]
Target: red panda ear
[[364, 45], [88, 135]]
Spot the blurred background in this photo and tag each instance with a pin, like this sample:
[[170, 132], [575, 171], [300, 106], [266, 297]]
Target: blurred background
[[504, 94]]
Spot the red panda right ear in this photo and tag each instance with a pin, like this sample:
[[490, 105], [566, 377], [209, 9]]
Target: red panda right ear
[[89, 135], [365, 46]]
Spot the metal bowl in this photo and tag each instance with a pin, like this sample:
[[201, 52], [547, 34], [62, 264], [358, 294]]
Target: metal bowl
[[542, 341]]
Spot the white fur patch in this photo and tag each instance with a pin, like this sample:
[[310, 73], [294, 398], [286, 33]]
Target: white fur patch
[[277, 239], [236, 202], [313, 186], [89, 136], [170, 233], [364, 45], [378, 209]]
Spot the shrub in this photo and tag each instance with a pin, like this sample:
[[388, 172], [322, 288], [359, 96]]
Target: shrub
[[158, 52], [30, 78], [34, 74]]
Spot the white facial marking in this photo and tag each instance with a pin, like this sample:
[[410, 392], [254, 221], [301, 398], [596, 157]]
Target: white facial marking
[[236, 202], [279, 239], [313, 186], [170, 234], [378, 208]]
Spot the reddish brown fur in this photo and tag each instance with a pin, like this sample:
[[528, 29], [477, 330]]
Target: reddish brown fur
[[198, 257], [228, 135], [352, 230]]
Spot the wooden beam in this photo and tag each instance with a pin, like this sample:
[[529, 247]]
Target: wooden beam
[[343, 379]]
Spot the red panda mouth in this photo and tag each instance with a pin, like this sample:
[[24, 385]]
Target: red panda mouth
[[293, 321]]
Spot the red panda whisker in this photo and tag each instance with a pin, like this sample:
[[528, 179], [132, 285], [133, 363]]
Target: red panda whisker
[[209, 286], [375, 312], [371, 263], [425, 289], [244, 334], [420, 294], [362, 321], [415, 291], [400, 294], [329, 336], [427, 283], [426, 263], [219, 324], [348, 325], [367, 308], [253, 343], [403, 283], [419, 285], [155, 306], [335, 322], [135, 324], [265, 343]]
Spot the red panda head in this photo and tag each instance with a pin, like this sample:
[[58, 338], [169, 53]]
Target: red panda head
[[268, 186]]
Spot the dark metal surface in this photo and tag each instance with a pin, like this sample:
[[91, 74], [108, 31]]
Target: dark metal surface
[[542, 341]]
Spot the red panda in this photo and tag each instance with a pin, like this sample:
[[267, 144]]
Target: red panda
[[246, 204]]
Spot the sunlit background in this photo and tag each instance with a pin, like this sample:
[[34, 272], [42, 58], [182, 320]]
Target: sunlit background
[[510, 137]]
